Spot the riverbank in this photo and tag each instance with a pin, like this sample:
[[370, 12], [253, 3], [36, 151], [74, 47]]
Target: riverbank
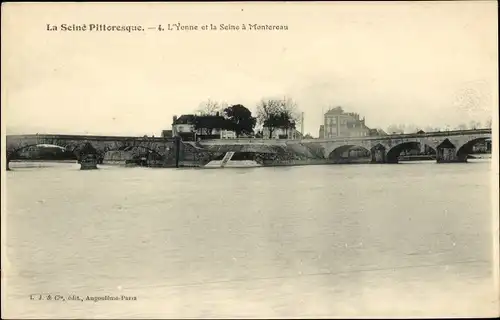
[[417, 158], [198, 164], [27, 164], [480, 156]]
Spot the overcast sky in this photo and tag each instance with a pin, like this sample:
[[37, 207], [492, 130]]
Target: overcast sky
[[427, 64]]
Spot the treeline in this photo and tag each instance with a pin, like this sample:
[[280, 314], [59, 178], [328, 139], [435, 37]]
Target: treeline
[[410, 128], [271, 113]]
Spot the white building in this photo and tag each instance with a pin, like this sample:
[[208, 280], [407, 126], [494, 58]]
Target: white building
[[185, 125], [278, 133], [182, 125], [227, 134]]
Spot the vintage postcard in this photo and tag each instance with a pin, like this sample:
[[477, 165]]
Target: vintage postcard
[[249, 160]]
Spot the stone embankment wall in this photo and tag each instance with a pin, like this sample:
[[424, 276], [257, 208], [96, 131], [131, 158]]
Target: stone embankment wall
[[124, 157], [193, 154], [272, 155], [117, 157]]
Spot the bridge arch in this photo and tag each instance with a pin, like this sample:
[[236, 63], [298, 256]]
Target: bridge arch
[[74, 148], [77, 147], [468, 147], [13, 151], [395, 151], [342, 153]]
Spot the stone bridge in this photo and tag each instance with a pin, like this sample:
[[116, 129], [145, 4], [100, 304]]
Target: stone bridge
[[449, 146], [161, 149]]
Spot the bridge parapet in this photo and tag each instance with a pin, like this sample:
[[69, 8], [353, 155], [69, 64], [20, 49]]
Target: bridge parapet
[[85, 137], [346, 139]]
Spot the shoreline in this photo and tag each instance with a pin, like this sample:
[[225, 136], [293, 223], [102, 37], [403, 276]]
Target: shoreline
[[284, 163]]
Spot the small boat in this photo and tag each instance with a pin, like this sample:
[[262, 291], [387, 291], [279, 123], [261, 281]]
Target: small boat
[[234, 160]]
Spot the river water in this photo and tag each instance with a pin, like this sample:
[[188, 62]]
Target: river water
[[372, 240]]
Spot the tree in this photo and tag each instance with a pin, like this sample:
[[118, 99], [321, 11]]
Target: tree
[[210, 108], [411, 128], [267, 111], [488, 123], [308, 136], [462, 126], [474, 124], [277, 113], [240, 119], [431, 129], [292, 113]]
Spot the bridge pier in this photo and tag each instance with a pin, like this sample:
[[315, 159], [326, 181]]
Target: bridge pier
[[7, 162], [378, 156], [449, 155], [177, 144], [88, 162], [446, 152]]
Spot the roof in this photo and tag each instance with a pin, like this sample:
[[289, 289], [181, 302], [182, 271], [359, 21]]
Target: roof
[[202, 121], [336, 110], [185, 119]]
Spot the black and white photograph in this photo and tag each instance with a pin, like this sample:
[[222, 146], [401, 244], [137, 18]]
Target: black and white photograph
[[249, 160]]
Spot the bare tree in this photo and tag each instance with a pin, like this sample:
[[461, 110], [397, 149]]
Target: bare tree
[[488, 123], [211, 108], [290, 113], [462, 126], [474, 124], [290, 107], [432, 129], [410, 128]]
